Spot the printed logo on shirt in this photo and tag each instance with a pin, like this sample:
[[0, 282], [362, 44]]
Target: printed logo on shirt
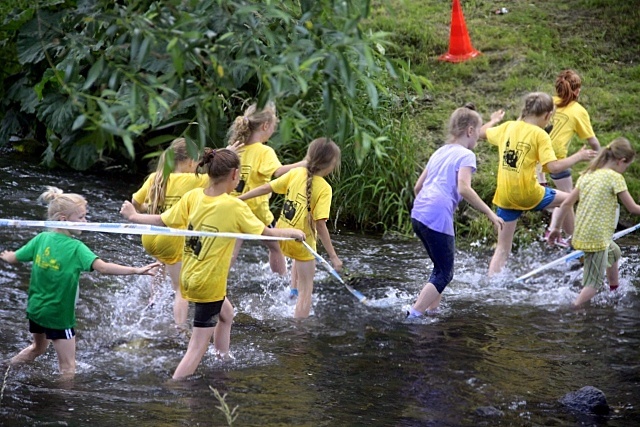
[[292, 209], [45, 261], [513, 157], [169, 201], [198, 246], [559, 121], [245, 171]]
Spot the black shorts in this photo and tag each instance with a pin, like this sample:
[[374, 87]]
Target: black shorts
[[206, 315], [51, 334]]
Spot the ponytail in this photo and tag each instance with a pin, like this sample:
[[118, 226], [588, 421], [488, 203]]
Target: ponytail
[[619, 149], [567, 84], [176, 153]]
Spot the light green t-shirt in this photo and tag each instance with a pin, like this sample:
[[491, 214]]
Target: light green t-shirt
[[596, 216], [58, 260]]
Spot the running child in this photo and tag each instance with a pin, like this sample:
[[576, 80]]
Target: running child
[[206, 260], [58, 259], [597, 192], [444, 182], [259, 164], [306, 207], [522, 144], [158, 194], [569, 119]]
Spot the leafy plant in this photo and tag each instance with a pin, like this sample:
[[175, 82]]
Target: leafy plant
[[230, 414]]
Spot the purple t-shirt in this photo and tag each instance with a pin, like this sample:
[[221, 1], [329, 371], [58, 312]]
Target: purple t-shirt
[[439, 195]]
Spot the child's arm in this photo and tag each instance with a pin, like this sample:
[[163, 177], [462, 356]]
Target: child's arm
[[294, 233], [420, 182], [554, 228], [128, 211], [260, 191], [123, 270], [9, 256], [629, 203], [469, 194], [323, 235], [581, 155], [286, 168], [142, 208], [496, 117], [594, 143]]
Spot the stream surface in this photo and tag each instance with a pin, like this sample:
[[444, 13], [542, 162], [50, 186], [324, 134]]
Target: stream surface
[[516, 348]]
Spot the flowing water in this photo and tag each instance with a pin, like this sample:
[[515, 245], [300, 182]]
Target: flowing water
[[516, 348]]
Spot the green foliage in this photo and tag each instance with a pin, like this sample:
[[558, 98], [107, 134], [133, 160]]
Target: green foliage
[[113, 76], [229, 414]]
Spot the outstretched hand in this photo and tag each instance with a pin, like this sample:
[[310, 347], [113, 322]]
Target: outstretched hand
[[587, 154], [235, 146], [127, 210], [149, 269], [497, 116]]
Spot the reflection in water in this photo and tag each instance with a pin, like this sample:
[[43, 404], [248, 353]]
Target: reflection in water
[[514, 347]]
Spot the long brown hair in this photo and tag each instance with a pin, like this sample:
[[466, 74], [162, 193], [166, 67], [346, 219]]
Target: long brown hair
[[567, 84], [158, 189], [320, 154], [619, 149]]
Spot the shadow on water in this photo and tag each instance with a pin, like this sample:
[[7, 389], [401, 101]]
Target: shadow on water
[[512, 348]]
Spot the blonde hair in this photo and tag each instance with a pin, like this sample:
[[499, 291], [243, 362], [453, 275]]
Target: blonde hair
[[320, 154], [244, 126], [158, 189], [567, 83], [461, 119], [60, 203], [537, 104], [619, 149], [219, 163]]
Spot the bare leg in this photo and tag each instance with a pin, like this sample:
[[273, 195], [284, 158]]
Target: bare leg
[[180, 305], [198, 344], [304, 272], [566, 185], [37, 348], [503, 247], [586, 294], [276, 258], [222, 335], [428, 299], [613, 276], [66, 350]]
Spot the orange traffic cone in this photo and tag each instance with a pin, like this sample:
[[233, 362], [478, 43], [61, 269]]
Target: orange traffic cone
[[460, 48]]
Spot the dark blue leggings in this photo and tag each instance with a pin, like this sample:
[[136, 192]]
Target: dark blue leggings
[[441, 249]]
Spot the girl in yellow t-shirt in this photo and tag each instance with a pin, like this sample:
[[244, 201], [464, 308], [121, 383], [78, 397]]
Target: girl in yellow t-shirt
[[206, 260], [306, 207], [158, 194], [569, 119], [522, 144], [598, 190], [259, 164]]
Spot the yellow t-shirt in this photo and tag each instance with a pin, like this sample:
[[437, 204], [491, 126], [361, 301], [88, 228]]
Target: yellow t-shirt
[[567, 121], [521, 145], [206, 260], [259, 162], [293, 185], [168, 249], [597, 213]]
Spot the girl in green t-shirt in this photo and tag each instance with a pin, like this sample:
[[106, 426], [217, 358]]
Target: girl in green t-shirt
[[58, 259]]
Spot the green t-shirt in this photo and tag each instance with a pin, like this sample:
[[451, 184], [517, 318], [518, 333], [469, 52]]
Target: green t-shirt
[[58, 260]]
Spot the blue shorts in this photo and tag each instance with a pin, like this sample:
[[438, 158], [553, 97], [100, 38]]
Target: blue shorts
[[509, 215], [562, 174], [440, 248]]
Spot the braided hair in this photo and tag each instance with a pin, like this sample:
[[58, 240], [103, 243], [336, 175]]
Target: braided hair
[[322, 152]]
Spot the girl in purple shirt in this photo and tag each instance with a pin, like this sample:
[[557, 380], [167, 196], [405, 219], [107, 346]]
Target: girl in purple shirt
[[442, 185]]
